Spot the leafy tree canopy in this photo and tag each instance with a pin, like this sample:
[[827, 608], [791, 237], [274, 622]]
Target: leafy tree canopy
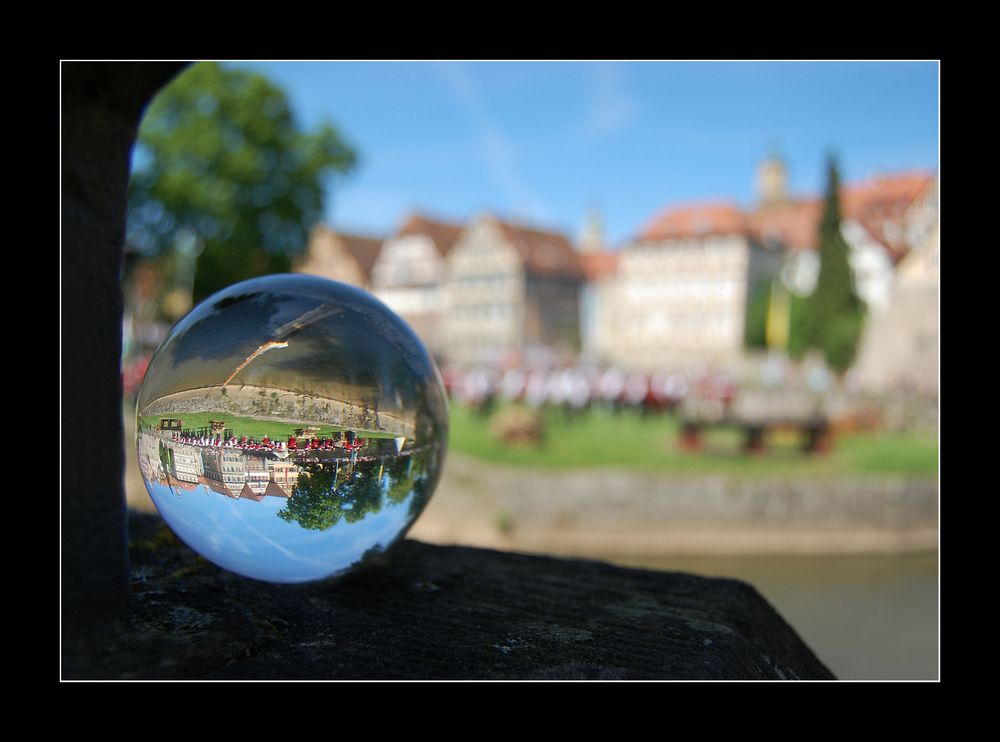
[[315, 502], [225, 172], [321, 498]]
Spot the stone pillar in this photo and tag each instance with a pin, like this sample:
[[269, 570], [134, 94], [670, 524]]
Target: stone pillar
[[102, 104]]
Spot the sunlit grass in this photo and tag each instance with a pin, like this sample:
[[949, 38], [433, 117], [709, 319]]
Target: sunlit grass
[[601, 439]]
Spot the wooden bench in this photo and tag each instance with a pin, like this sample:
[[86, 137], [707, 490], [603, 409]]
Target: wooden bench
[[815, 432]]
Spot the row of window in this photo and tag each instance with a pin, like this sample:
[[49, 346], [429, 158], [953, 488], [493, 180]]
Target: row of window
[[695, 290], [724, 246], [483, 311], [491, 282], [692, 324], [407, 273], [225, 477]]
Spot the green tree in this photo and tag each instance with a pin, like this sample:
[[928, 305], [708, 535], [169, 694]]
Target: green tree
[[321, 499], [421, 494], [363, 493], [755, 328], [836, 312], [167, 459], [399, 474], [315, 502], [225, 173]]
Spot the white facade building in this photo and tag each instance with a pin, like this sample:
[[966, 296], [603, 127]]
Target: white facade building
[[188, 464], [681, 290], [679, 295], [339, 256], [409, 275], [510, 288]]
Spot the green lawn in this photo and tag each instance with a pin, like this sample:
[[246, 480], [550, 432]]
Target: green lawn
[[601, 439], [251, 427]]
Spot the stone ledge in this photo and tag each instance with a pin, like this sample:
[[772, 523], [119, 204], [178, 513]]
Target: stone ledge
[[437, 612]]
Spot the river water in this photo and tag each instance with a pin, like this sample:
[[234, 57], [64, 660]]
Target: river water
[[866, 617]]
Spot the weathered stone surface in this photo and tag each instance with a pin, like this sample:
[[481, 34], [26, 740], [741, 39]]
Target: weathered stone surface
[[435, 612]]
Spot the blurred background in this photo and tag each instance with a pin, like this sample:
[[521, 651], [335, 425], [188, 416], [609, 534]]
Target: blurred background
[[687, 313]]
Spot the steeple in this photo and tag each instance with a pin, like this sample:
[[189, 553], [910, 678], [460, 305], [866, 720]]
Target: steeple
[[772, 180], [592, 234]]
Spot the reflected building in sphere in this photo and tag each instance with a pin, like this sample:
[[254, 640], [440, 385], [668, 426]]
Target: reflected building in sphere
[[284, 474], [227, 468], [258, 475], [188, 464]]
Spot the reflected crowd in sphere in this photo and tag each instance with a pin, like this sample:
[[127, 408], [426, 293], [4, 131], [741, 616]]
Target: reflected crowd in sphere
[[291, 427]]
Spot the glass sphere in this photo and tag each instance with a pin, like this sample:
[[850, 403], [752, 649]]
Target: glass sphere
[[289, 427]]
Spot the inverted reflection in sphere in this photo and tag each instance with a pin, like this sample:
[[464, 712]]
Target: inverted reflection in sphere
[[289, 427]]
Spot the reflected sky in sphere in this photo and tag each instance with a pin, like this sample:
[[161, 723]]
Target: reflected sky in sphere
[[290, 427]]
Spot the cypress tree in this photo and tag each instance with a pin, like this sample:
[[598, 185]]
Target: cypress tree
[[836, 312]]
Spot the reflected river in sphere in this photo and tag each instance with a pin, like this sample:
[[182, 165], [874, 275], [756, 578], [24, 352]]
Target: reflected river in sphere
[[289, 427]]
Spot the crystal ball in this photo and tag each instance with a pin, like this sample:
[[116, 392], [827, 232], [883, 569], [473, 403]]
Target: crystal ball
[[290, 428]]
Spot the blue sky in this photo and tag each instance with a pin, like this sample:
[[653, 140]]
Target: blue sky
[[546, 141], [248, 537]]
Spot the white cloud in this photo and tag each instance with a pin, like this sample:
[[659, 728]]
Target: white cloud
[[611, 107], [495, 147]]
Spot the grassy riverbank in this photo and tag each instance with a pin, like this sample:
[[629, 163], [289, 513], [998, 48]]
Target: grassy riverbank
[[602, 439]]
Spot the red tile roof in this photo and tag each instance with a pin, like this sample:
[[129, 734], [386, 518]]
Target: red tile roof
[[545, 254], [597, 265], [899, 190], [217, 486], [442, 234], [248, 494], [364, 250], [275, 490], [794, 224], [696, 220], [875, 203], [883, 201]]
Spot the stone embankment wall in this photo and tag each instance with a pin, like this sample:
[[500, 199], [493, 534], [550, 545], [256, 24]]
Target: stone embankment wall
[[623, 512]]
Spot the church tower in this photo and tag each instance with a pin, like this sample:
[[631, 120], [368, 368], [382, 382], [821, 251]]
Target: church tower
[[592, 235], [772, 181]]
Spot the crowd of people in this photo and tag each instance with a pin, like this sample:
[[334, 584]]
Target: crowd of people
[[347, 440], [577, 388]]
